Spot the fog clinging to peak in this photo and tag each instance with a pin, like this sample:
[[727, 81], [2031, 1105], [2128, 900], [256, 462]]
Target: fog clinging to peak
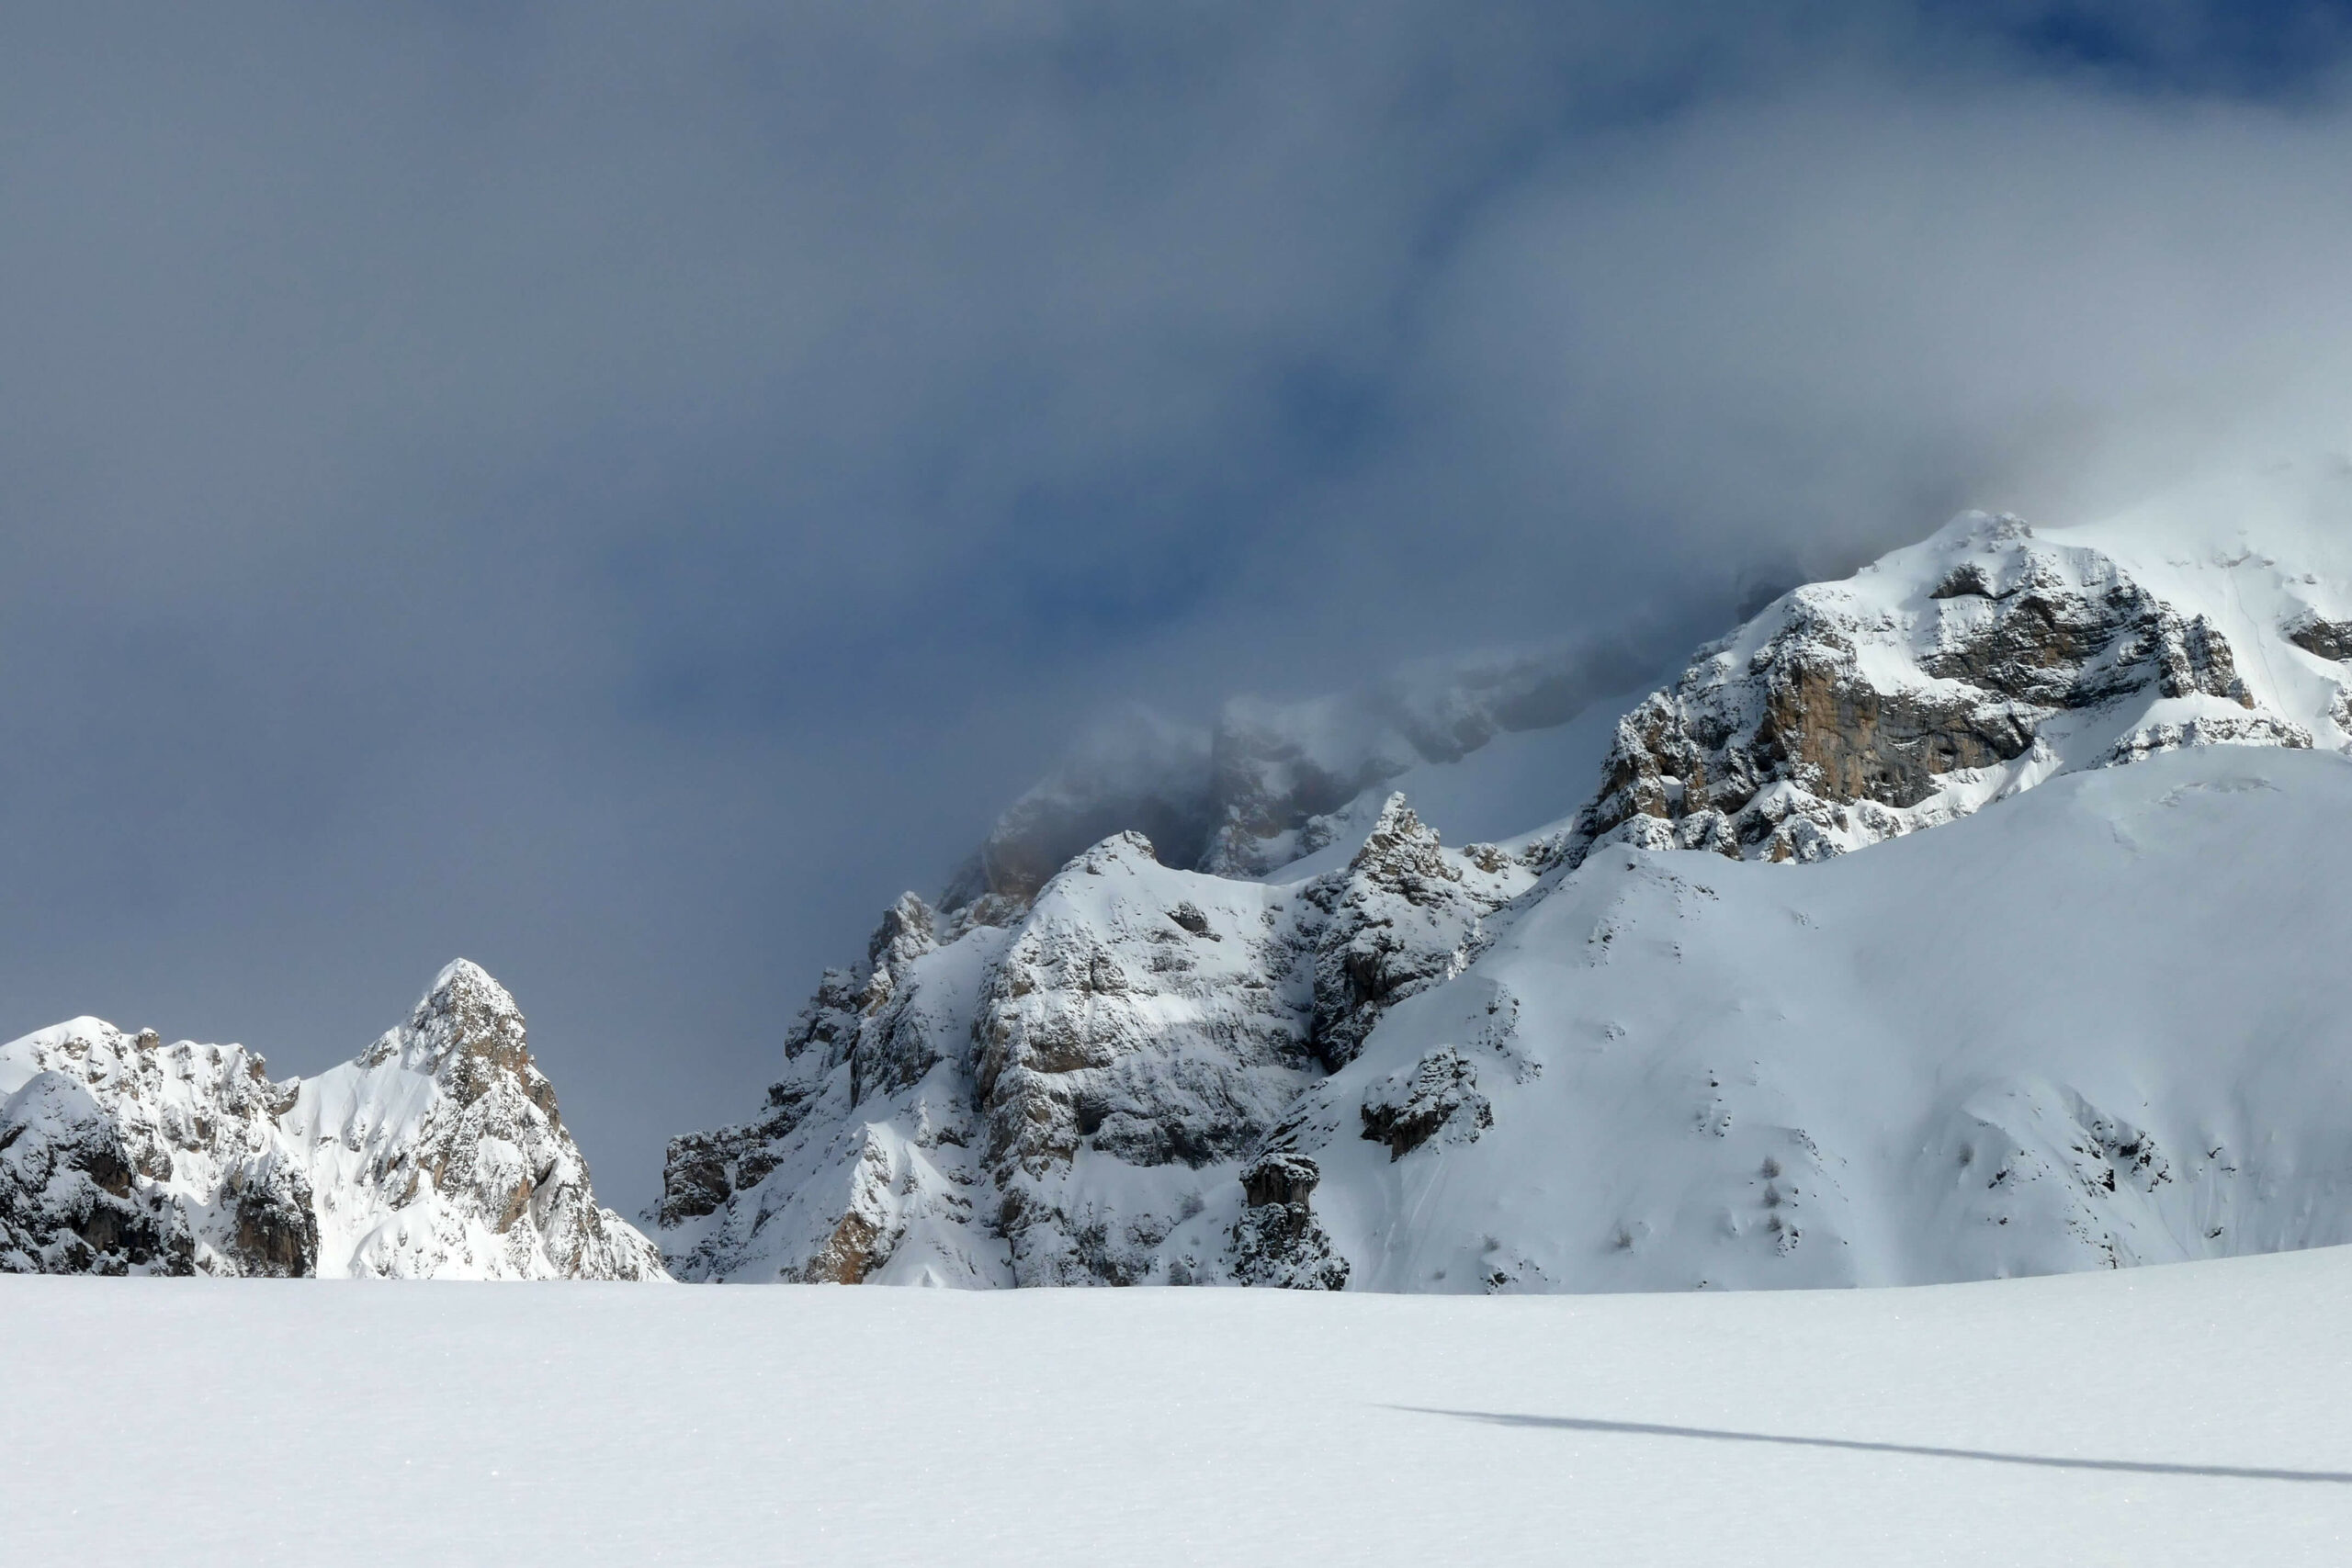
[[616, 492]]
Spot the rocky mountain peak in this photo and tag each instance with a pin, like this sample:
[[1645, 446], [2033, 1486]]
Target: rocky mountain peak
[[468, 1035], [436, 1152], [1072, 1097], [443, 1151], [1400, 849], [905, 932], [1102, 1064], [1975, 664], [466, 1024]]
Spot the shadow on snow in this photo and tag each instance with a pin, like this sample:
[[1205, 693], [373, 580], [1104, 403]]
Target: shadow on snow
[[2048, 1462]]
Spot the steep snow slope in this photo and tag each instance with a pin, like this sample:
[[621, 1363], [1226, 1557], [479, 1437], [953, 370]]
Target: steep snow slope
[[440, 1152], [2184, 1415], [2101, 1025], [1138, 1073]]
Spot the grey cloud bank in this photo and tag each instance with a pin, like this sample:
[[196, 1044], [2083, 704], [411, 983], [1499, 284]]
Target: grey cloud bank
[[618, 492]]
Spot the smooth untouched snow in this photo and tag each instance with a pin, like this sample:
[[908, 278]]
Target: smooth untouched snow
[[2194, 1414]]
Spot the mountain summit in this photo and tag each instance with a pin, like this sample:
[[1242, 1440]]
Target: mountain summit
[[1677, 1032], [437, 1154]]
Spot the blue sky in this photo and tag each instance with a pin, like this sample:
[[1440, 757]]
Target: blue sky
[[618, 492]]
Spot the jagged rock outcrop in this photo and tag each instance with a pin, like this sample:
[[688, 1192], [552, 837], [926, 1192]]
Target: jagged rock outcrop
[[119, 1153], [2315, 634], [438, 1153], [1277, 1241], [1069, 1099], [815, 1190], [1976, 664], [1406, 917], [1124, 1027], [1437, 1094]]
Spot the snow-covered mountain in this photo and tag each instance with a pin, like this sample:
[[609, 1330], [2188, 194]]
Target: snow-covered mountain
[[438, 1153], [2092, 1026], [1972, 666], [1067, 1096]]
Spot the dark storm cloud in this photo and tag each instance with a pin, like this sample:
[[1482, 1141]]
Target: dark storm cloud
[[617, 491]]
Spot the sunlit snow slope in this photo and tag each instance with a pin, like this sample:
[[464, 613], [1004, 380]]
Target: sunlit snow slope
[[2103, 1024], [2194, 1414]]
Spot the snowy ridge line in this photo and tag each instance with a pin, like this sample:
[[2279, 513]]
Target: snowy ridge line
[[1580, 1059], [438, 1153]]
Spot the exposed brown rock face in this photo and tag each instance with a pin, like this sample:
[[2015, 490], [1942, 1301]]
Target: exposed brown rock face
[[2317, 634], [274, 1235], [848, 1255], [1834, 715]]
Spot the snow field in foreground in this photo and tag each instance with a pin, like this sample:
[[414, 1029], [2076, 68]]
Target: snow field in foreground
[[195, 1421]]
